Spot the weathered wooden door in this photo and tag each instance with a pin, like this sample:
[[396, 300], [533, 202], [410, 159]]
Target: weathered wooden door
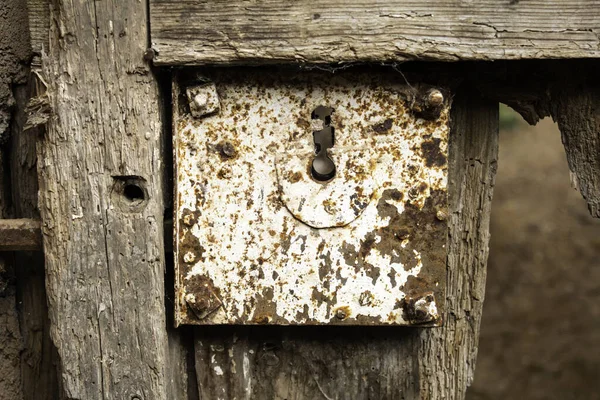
[[101, 119]]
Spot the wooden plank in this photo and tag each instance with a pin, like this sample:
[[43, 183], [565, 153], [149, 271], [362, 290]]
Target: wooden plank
[[10, 335], [25, 234], [101, 201], [39, 376], [379, 363], [39, 22], [14, 55], [331, 31], [20, 234]]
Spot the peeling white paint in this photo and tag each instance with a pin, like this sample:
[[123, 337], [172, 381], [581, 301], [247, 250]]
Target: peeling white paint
[[255, 210]]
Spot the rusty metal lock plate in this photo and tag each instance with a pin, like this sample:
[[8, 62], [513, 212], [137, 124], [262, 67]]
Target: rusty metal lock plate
[[260, 240]]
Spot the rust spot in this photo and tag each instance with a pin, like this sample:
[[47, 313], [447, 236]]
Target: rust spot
[[383, 127], [417, 308], [224, 173], [356, 259], [366, 298], [303, 124], [295, 177], [415, 285], [420, 228], [203, 298], [189, 244], [432, 154], [189, 217], [264, 306]]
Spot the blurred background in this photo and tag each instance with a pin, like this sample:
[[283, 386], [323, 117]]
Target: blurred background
[[540, 334]]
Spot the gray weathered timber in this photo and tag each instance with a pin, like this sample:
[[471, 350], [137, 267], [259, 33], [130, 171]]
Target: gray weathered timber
[[379, 363], [20, 234], [38, 356], [332, 31], [14, 54], [576, 109], [101, 202], [10, 336], [566, 90]]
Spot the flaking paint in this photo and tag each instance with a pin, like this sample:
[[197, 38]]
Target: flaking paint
[[259, 241]]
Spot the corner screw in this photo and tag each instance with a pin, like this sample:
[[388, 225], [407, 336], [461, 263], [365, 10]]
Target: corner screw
[[420, 309], [203, 303], [428, 104], [203, 100], [435, 98]]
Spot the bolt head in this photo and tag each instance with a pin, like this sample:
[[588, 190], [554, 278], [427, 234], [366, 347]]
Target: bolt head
[[203, 100], [428, 104], [203, 303], [435, 98], [189, 257]]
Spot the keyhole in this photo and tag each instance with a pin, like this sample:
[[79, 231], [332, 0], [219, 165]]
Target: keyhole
[[323, 168]]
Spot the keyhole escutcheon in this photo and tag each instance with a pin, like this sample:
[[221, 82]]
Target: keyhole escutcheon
[[323, 168]]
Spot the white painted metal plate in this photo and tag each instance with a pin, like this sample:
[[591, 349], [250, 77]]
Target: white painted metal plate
[[259, 240]]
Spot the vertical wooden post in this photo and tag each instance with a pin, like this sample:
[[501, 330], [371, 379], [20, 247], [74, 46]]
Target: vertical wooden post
[[10, 335], [101, 201], [38, 357], [379, 363], [447, 355]]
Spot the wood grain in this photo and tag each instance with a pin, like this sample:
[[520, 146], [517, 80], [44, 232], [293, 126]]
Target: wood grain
[[576, 109], [569, 92], [379, 363], [101, 201], [331, 31], [38, 357]]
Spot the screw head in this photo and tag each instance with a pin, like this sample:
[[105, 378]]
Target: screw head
[[149, 54], [441, 215], [227, 149], [203, 303], [341, 314]]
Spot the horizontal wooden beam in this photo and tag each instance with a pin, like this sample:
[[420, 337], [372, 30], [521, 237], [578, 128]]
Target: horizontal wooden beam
[[26, 235], [20, 235], [194, 32]]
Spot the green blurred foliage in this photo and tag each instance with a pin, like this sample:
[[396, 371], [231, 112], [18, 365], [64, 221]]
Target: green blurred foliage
[[509, 118]]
